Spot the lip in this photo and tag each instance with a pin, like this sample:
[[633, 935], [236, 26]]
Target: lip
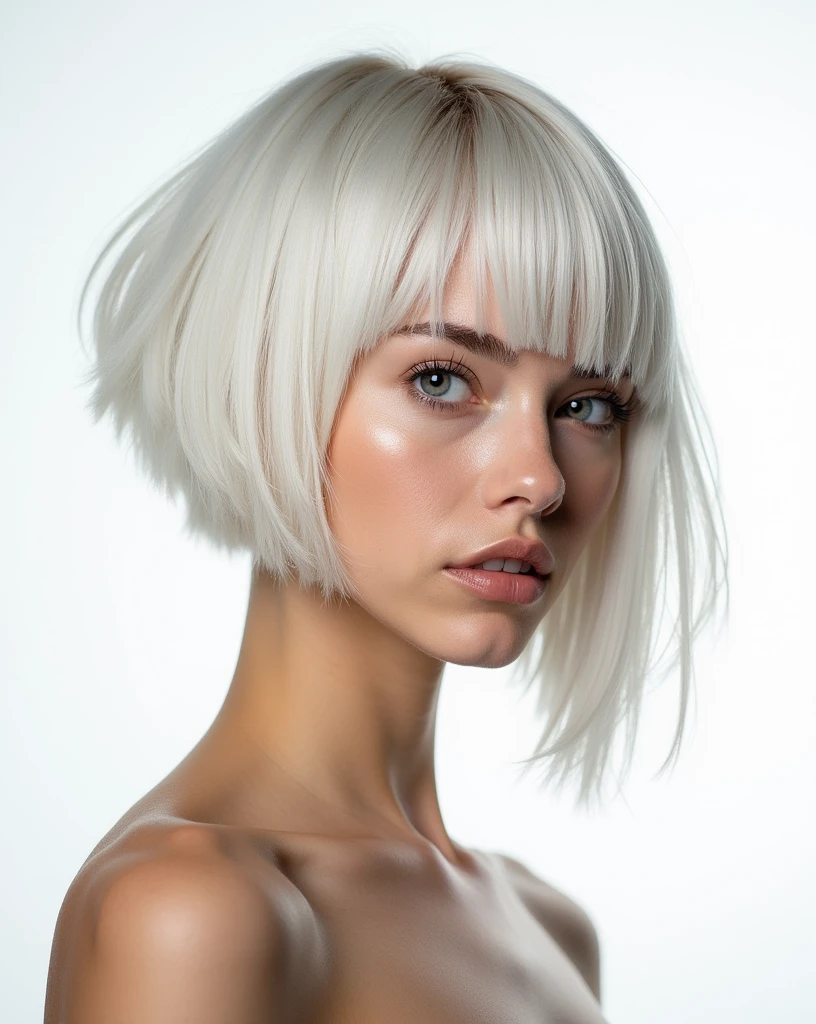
[[499, 586], [535, 552]]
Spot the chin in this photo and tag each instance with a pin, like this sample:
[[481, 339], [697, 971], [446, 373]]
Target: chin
[[482, 651]]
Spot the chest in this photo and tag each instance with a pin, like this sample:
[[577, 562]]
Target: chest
[[399, 947]]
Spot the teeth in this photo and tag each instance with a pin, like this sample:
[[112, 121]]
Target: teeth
[[514, 565]]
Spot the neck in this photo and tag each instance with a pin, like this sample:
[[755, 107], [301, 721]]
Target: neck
[[329, 722]]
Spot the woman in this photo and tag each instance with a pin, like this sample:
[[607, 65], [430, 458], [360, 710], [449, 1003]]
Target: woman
[[407, 337]]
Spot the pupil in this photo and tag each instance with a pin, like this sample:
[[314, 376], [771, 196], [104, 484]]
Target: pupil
[[576, 404], [435, 377]]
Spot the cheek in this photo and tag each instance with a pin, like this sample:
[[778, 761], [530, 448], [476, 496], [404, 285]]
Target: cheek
[[591, 486], [390, 487], [590, 492]]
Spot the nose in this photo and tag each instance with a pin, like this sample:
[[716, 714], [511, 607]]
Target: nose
[[523, 468]]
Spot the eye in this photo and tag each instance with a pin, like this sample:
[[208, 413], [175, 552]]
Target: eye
[[590, 404], [620, 411], [442, 385]]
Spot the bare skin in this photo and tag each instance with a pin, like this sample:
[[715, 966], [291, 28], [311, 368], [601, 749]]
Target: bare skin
[[312, 797]]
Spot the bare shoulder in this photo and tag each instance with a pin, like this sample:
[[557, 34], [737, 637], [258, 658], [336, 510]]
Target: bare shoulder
[[170, 928], [564, 919]]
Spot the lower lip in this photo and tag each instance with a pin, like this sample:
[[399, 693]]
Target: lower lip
[[500, 586]]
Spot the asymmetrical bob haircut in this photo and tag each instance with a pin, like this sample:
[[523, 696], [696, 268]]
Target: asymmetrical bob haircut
[[241, 292]]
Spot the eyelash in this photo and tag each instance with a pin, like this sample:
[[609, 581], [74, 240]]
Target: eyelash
[[621, 411]]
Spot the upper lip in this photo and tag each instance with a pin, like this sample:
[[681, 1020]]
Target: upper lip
[[535, 552]]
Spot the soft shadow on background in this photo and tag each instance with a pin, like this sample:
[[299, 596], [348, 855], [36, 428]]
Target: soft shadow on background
[[119, 634]]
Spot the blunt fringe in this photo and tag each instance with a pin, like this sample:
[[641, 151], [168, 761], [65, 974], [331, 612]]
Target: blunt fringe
[[236, 297]]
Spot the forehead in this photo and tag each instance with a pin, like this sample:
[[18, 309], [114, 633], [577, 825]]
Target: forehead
[[488, 345], [460, 321], [466, 311]]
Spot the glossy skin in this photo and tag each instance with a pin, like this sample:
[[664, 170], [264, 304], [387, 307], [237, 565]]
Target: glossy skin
[[305, 825]]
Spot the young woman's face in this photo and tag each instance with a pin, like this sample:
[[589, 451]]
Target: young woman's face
[[430, 464]]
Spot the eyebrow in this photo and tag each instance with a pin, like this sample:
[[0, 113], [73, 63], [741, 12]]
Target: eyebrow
[[491, 347]]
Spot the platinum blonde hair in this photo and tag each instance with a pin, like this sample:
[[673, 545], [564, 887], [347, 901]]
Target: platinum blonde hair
[[245, 287]]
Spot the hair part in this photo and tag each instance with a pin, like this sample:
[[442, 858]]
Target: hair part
[[366, 179]]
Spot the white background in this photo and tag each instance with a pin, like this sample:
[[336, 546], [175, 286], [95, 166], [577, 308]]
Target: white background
[[119, 634]]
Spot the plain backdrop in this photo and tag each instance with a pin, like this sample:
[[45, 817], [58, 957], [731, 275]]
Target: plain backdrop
[[119, 634]]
